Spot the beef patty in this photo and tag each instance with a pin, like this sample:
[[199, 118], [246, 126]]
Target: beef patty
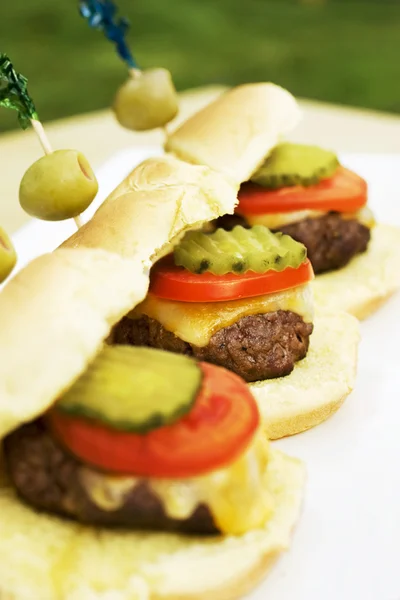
[[331, 240], [50, 479], [256, 347]]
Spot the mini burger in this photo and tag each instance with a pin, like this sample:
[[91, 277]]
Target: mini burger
[[305, 192], [237, 299], [146, 476], [129, 473], [299, 190], [242, 300]]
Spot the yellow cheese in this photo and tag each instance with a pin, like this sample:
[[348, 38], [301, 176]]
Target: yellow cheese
[[276, 220], [364, 216], [237, 496], [196, 322]]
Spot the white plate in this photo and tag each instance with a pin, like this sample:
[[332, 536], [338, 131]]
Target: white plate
[[347, 544]]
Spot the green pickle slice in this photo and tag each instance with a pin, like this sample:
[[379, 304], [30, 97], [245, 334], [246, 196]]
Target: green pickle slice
[[296, 164], [134, 389], [239, 250]]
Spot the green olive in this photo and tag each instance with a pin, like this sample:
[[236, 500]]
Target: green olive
[[58, 186], [8, 256], [146, 101]]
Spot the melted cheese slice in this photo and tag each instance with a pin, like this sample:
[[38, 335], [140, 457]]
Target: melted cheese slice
[[237, 496], [276, 220], [196, 322]]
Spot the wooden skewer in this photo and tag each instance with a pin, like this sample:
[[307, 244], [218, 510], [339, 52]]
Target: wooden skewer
[[78, 221], [43, 139], [135, 73], [45, 143]]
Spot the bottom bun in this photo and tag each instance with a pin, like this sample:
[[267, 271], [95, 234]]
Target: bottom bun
[[318, 384], [367, 281], [44, 557]]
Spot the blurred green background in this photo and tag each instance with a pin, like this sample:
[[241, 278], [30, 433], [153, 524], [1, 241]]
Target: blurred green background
[[342, 51]]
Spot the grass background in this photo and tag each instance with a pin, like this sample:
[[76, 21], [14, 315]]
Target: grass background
[[342, 51]]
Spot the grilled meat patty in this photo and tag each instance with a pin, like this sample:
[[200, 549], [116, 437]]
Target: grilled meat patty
[[50, 479], [256, 347], [331, 241]]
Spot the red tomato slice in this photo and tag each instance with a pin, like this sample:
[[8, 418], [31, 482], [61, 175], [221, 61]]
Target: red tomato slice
[[176, 283], [344, 192], [217, 430]]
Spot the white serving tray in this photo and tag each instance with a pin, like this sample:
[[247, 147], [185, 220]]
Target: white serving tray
[[347, 543]]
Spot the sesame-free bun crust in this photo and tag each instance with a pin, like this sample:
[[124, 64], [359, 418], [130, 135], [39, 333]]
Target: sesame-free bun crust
[[236, 132], [43, 557], [367, 281], [56, 313], [318, 384], [153, 207]]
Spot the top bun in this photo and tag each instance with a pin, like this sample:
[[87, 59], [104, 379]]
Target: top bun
[[235, 133], [153, 208], [56, 313], [54, 316]]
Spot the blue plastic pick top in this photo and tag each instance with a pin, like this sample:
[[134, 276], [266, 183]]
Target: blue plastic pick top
[[101, 15]]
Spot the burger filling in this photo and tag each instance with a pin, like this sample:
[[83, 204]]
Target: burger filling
[[332, 239], [256, 347], [304, 192], [240, 300], [146, 439], [230, 500]]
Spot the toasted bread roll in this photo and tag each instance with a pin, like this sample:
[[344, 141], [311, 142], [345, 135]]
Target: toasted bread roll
[[72, 562], [367, 281], [54, 316], [235, 133], [319, 383], [153, 207]]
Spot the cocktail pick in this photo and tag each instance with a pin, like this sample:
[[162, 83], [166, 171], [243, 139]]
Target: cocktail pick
[[148, 99], [102, 15], [14, 94]]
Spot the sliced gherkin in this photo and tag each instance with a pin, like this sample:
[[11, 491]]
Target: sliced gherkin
[[134, 389], [296, 164], [239, 250]]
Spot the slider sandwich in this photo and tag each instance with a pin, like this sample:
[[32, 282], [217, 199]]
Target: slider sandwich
[[299, 190], [240, 300], [129, 473]]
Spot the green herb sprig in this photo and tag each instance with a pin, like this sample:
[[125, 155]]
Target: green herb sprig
[[14, 93]]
